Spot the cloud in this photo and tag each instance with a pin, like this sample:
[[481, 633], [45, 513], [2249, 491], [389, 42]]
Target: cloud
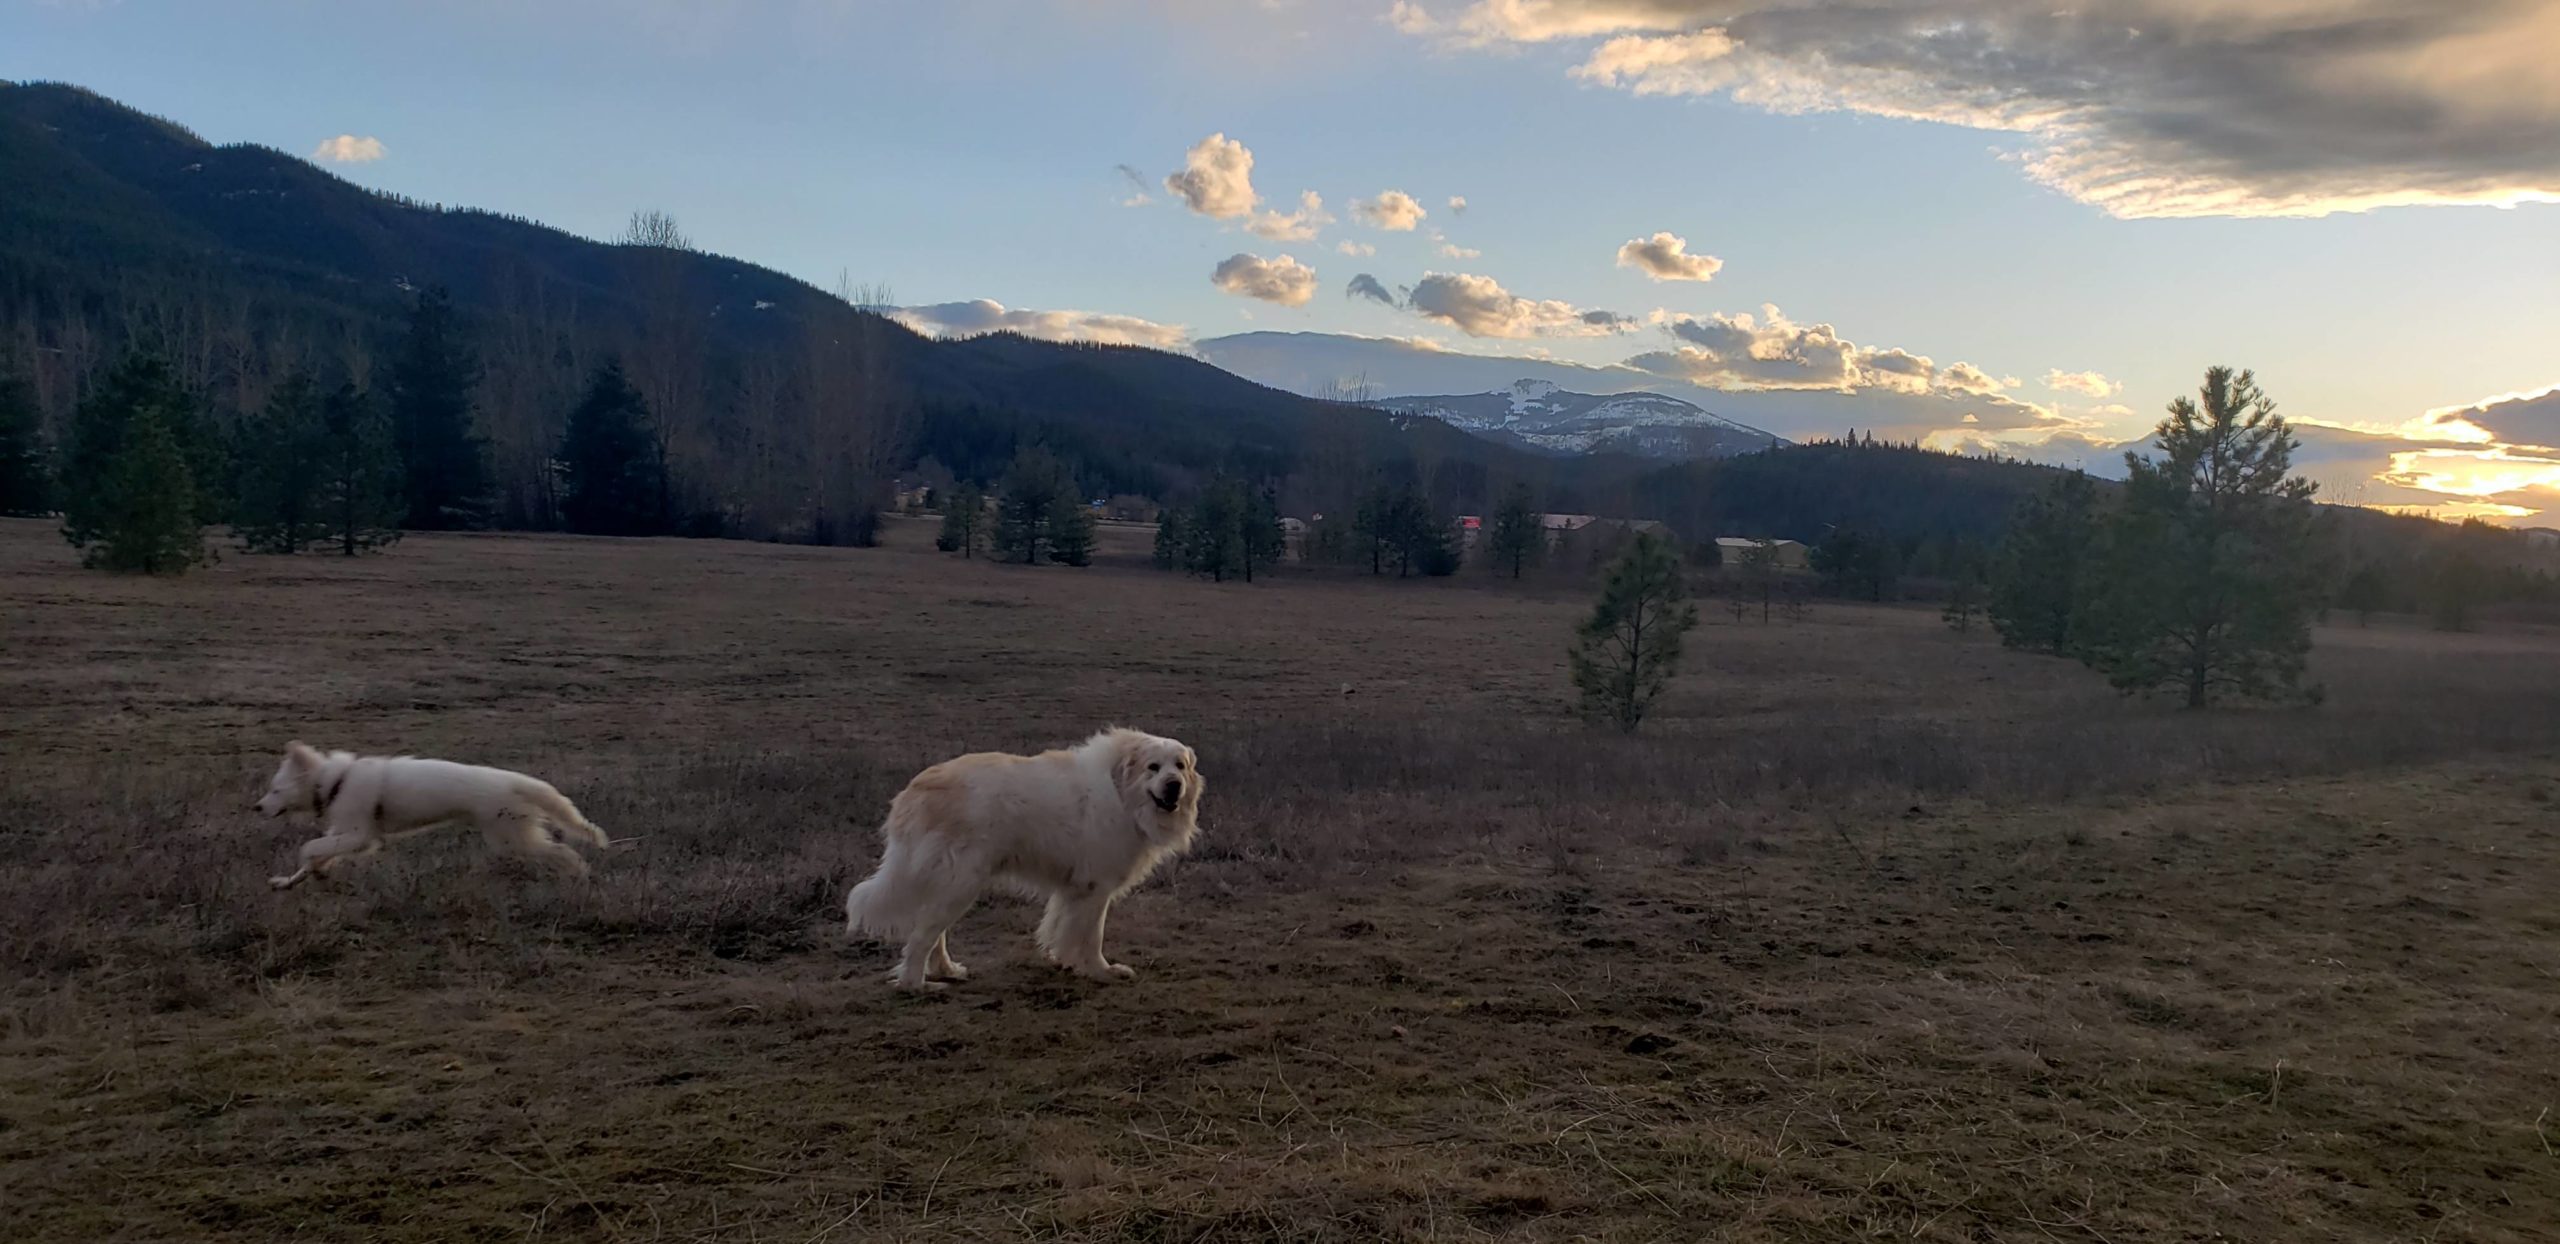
[[1138, 196], [1480, 307], [1298, 226], [1216, 179], [1283, 280], [1355, 249], [1367, 286], [968, 319], [349, 149], [2140, 107], [1666, 257], [1457, 205], [1394, 211], [2514, 419], [1967, 378], [1451, 250], [2086, 383], [1770, 352]]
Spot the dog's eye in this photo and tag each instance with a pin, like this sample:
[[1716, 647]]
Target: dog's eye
[[1153, 768]]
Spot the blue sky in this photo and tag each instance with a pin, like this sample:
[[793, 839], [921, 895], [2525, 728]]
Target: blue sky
[[968, 150]]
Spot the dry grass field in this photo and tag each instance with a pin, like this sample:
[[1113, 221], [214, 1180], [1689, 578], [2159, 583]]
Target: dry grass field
[[1877, 932]]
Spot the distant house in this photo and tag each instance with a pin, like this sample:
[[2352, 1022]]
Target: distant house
[[1558, 524], [913, 495], [1792, 554]]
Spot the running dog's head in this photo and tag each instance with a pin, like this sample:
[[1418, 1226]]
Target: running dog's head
[[1157, 773], [296, 783]]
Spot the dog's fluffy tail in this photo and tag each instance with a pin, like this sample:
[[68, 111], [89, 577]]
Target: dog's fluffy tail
[[882, 904], [556, 808]]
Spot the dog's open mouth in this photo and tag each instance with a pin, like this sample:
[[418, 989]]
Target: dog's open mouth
[[1164, 800]]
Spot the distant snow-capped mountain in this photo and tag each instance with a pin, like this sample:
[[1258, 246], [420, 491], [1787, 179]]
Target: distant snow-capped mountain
[[1539, 415]]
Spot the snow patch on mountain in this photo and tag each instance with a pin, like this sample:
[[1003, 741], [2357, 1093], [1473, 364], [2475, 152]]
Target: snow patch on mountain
[[1540, 415]]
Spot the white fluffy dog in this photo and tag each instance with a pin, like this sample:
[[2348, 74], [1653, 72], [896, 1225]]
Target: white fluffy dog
[[361, 802], [1078, 827]]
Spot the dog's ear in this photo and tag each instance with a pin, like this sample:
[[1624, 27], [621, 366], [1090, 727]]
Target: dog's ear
[[300, 755], [1124, 770]]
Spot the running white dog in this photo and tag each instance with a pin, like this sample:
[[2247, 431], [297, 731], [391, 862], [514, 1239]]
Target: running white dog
[[1079, 827], [361, 802]]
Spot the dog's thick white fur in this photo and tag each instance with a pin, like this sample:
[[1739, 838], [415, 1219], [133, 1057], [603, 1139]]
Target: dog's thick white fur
[[361, 802], [1078, 827]]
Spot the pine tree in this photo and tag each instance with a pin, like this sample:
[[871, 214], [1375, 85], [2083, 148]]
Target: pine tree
[[24, 488], [609, 482], [1070, 530], [432, 378], [139, 387], [1517, 536], [1856, 563], [1756, 572], [1625, 653], [2208, 575], [358, 496], [2366, 592], [964, 521], [280, 468], [1965, 591], [2457, 585], [1173, 540], [2039, 572], [1259, 535], [1374, 526], [1215, 532], [144, 504], [1028, 500]]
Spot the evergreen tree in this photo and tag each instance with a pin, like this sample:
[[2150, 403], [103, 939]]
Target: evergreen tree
[[2207, 577], [964, 521], [1028, 504], [2366, 592], [1757, 577], [2039, 572], [432, 378], [1374, 526], [143, 504], [2457, 585], [1857, 563], [139, 387], [280, 469], [609, 483], [24, 488], [1964, 599], [1215, 532], [1259, 536], [1070, 530], [358, 496], [1516, 536], [1173, 540], [1625, 653]]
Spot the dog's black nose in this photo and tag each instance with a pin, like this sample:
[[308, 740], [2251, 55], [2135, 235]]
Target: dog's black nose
[[1173, 789]]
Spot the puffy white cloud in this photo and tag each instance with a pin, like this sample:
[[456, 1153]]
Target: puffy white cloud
[[350, 149], [1298, 226], [1283, 280], [1367, 286], [1394, 211], [2514, 419], [1355, 249], [1771, 353], [1216, 179], [968, 319], [1967, 378], [1666, 257], [1451, 250], [2086, 383], [1480, 307], [2141, 107], [1457, 205]]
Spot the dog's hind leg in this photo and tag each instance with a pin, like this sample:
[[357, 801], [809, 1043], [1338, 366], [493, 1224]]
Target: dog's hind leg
[[942, 966], [520, 833], [925, 955]]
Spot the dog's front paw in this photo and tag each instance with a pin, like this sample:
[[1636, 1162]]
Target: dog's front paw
[[1112, 973], [897, 981], [284, 882], [954, 971]]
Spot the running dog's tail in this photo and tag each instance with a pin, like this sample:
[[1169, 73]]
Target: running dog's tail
[[556, 808]]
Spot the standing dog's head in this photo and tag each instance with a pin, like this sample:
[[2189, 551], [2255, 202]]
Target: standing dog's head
[[296, 783], [1156, 775]]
